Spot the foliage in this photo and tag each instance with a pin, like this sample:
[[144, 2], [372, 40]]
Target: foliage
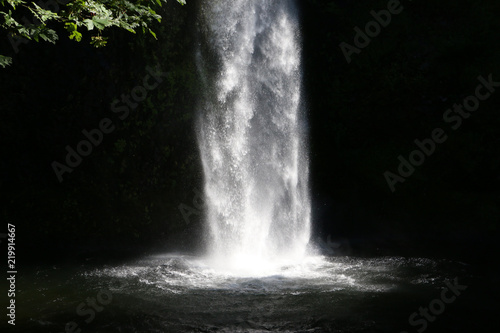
[[129, 189], [38, 21]]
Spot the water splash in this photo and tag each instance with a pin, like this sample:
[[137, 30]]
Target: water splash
[[251, 133]]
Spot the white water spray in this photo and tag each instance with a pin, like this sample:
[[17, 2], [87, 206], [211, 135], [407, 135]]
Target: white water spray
[[251, 133]]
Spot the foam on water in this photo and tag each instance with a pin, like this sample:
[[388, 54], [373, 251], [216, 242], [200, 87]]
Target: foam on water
[[184, 274]]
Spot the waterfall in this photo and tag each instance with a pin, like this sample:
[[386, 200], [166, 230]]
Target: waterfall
[[252, 133]]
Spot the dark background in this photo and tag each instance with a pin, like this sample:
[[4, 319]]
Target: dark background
[[124, 197]]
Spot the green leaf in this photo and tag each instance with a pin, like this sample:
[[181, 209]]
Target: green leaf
[[101, 23], [70, 26], [5, 61], [49, 35], [42, 14], [152, 33], [89, 23], [13, 3], [73, 32], [76, 36], [10, 22]]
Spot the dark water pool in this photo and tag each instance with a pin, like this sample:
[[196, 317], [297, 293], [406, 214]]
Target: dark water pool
[[175, 293]]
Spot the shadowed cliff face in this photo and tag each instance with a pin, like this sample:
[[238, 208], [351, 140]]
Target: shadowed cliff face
[[367, 116]]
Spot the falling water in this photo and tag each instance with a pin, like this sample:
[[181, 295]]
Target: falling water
[[251, 132]]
